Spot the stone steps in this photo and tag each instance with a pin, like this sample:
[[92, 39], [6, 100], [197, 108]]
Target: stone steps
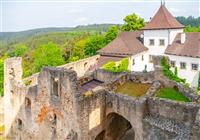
[[169, 125]]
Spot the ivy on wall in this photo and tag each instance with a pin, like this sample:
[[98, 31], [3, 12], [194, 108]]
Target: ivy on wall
[[170, 74]]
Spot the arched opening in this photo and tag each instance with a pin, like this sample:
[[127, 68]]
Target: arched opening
[[54, 92], [19, 124], [116, 128], [71, 68], [27, 103], [85, 64]]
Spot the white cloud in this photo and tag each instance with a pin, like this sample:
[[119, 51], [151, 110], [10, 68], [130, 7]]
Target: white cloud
[[174, 10], [74, 11], [81, 20]]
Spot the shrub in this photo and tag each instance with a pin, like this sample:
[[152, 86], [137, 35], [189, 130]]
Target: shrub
[[122, 67], [176, 71], [145, 69], [168, 73], [110, 66], [198, 87]]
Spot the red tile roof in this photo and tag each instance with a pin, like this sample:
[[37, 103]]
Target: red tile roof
[[163, 19], [190, 48], [127, 43]]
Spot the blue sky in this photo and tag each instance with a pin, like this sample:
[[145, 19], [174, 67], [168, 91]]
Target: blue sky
[[18, 15]]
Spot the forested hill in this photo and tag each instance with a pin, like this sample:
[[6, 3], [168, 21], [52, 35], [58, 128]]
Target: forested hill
[[7, 37]]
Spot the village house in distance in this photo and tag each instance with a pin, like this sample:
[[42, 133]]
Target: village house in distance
[[164, 36], [83, 101]]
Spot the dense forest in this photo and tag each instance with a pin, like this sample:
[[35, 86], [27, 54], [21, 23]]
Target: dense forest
[[57, 46], [189, 21]]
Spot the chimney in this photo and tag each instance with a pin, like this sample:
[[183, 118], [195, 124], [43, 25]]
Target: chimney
[[183, 36]]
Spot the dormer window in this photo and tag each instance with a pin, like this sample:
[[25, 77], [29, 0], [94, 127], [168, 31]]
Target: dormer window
[[162, 42], [151, 42]]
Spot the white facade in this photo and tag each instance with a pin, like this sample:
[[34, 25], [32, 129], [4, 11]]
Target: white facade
[[139, 61], [188, 73], [167, 35]]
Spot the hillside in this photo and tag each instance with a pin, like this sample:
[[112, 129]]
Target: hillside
[[7, 37]]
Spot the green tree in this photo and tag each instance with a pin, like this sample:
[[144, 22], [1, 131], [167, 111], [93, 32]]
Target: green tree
[[20, 50], [198, 88], [93, 44], [47, 55], [133, 22], [111, 34], [2, 73], [78, 52], [192, 29]]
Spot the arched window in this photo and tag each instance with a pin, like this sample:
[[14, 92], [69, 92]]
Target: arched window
[[27, 103], [55, 86], [19, 124]]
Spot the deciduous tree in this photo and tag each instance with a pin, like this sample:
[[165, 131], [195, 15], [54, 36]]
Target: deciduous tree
[[133, 22]]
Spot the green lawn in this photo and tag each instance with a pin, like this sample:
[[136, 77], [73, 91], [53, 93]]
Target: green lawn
[[170, 93]]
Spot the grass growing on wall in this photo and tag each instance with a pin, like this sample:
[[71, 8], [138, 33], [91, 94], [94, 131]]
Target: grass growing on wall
[[170, 74], [113, 67], [172, 94]]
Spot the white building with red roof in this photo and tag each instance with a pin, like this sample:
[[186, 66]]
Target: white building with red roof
[[163, 36]]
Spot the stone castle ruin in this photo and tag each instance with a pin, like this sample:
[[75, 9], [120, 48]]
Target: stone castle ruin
[[77, 101]]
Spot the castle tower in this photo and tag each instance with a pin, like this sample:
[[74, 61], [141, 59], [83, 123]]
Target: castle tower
[[12, 101], [160, 31]]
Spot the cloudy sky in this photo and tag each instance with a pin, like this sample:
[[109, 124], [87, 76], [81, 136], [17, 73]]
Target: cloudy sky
[[18, 15]]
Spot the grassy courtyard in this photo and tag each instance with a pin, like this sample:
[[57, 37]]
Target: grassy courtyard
[[133, 89], [172, 94]]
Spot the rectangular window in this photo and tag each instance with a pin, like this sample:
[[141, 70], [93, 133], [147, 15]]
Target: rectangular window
[[150, 59], [133, 61], [142, 57], [162, 42], [151, 42], [172, 63], [195, 66], [182, 65]]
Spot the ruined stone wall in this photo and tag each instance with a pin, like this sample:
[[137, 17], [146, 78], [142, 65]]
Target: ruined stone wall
[[14, 91], [106, 76], [54, 109], [182, 112], [83, 66], [91, 114], [49, 108], [170, 119], [31, 80]]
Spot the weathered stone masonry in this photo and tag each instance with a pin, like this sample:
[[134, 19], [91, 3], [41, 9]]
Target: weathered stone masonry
[[53, 108]]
